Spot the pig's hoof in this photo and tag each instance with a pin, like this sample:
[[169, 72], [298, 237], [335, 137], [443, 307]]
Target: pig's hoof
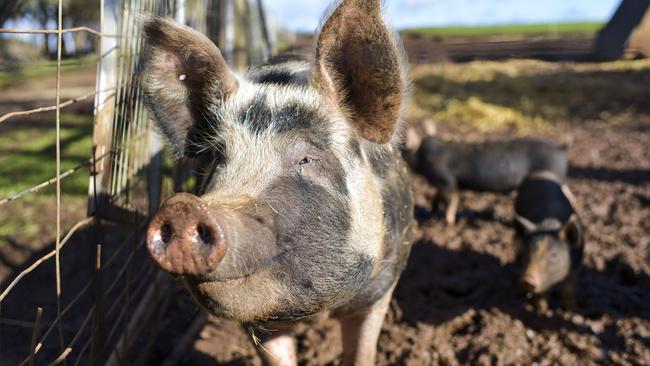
[[451, 220]]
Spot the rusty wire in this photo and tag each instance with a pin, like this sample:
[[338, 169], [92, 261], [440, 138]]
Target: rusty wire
[[67, 103], [141, 312], [143, 275], [125, 156], [56, 31], [80, 294], [47, 256], [62, 357], [53, 180], [124, 310], [121, 273], [57, 245], [35, 334], [83, 350], [30, 325]]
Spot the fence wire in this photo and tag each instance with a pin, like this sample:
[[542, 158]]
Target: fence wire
[[118, 306], [124, 186]]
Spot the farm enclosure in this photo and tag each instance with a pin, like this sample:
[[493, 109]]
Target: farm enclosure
[[444, 310]]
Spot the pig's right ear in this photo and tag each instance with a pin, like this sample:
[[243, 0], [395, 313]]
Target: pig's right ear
[[184, 75], [573, 232], [358, 65]]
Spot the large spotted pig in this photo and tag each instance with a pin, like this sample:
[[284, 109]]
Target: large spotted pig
[[305, 205]]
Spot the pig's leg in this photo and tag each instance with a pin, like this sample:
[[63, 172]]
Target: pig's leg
[[452, 207], [449, 194], [361, 330], [279, 349], [541, 303], [450, 199]]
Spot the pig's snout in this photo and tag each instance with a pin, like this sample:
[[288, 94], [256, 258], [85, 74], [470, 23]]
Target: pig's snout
[[185, 238], [531, 282]]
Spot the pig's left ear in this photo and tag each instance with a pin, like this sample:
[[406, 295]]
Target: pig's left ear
[[358, 65], [573, 232], [183, 76]]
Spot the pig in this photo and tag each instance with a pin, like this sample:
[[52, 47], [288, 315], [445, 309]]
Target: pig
[[551, 238], [493, 166], [304, 207]]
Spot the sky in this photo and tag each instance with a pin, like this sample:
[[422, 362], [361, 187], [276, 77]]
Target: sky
[[304, 15]]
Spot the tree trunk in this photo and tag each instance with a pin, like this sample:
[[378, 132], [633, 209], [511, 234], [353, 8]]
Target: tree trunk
[[63, 52], [242, 28], [7, 8], [46, 45]]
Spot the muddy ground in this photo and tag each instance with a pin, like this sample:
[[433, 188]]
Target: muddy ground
[[457, 302]]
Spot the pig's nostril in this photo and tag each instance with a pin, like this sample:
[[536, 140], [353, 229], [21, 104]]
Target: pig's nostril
[[165, 233], [205, 234]]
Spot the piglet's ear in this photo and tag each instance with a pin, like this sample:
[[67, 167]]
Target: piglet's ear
[[183, 76], [573, 232], [358, 65], [523, 226]]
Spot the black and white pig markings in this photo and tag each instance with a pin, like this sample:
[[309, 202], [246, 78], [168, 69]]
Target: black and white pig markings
[[493, 166], [305, 206]]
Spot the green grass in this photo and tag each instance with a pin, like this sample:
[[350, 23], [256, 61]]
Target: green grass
[[28, 158], [28, 155], [576, 29], [45, 68]]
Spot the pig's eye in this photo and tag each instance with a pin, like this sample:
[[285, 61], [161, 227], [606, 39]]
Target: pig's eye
[[307, 167]]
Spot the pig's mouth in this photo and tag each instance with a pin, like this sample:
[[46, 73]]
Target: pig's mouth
[[233, 278], [532, 289], [254, 296]]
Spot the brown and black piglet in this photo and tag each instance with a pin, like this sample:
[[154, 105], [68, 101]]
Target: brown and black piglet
[[551, 236]]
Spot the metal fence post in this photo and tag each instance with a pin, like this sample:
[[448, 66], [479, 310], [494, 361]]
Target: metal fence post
[[104, 104]]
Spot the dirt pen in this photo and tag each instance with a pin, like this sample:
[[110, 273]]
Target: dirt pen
[[93, 297]]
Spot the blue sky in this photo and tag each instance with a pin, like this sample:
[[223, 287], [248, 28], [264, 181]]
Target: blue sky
[[304, 15]]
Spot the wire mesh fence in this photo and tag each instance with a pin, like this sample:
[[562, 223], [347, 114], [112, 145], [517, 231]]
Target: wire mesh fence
[[103, 300], [124, 185]]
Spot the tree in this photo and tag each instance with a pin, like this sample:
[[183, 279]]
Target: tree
[[44, 12], [8, 8]]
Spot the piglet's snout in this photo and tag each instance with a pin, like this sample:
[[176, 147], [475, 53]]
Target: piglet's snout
[[184, 238], [531, 281]]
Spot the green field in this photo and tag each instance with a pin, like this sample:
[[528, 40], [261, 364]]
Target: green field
[[28, 155], [44, 68], [580, 29], [28, 158], [28, 149]]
